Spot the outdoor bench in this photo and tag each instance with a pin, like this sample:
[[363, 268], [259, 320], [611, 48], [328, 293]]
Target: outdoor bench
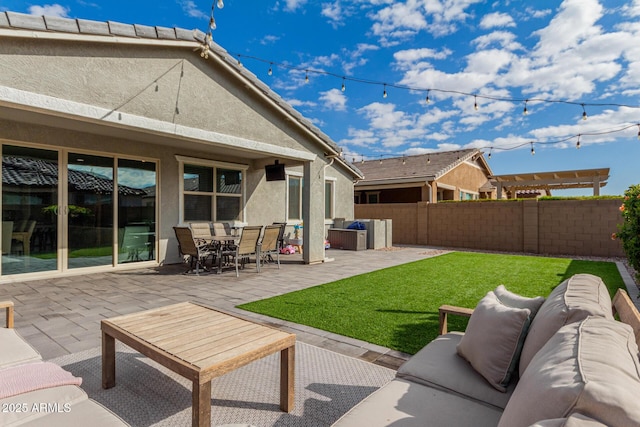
[[559, 361], [42, 400]]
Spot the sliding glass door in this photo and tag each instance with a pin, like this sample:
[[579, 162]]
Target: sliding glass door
[[63, 211], [89, 210], [29, 210]]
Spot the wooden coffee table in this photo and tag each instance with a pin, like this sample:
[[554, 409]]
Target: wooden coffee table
[[200, 344]]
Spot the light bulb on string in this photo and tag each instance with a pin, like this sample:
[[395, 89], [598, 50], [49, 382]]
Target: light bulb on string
[[343, 85], [220, 4], [578, 143], [475, 102], [427, 100], [362, 160], [381, 160], [404, 161], [429, 160], [384, 92], [584, 113], [533, 151], [270, 72], [306, 76], [638, 130], [489, 156], [525, 111], [212, 23]]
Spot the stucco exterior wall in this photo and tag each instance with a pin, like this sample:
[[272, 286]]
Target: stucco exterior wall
[[123, 78], [465, 177]]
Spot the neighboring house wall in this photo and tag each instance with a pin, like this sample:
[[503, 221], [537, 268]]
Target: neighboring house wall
[[550, 227], [465, 177]]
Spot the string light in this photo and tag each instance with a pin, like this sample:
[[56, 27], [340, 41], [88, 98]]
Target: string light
[[475, 102], [578, 143], [306, 76], [584, 113], [429, 160], [427, 98], [533, 152], [525, 111], [489, 156], [343, 85], [270, 72], [404, 161], [384, 92]]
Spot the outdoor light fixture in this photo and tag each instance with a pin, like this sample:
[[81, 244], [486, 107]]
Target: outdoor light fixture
[[584, 113], [343, 86], [578, 143], [475, 102], [384, 92], [270, 72], [525, 111], [427, 98], [533, 152]]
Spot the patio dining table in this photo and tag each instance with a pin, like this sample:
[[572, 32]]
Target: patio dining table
[[218, 243]]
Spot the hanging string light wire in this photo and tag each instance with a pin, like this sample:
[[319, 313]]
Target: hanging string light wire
[[427, 91]]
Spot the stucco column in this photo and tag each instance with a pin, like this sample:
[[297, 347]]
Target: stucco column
[[313, 212]]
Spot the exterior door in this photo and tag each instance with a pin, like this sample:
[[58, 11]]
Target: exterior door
[[30, 207]]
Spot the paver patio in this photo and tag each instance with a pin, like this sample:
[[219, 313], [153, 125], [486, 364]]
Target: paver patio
[[61, 316]]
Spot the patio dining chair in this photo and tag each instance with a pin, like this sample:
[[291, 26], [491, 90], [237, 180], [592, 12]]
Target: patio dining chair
[[270, 244], [187, 245], [247, 246]]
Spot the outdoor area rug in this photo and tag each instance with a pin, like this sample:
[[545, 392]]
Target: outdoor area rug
[[327, 385]]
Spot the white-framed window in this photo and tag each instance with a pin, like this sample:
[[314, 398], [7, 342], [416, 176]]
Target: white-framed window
[[329, 198], [294, 197], [468, 195], [211, 191]]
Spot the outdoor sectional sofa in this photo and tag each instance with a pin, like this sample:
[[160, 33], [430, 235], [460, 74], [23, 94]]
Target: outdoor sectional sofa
[[48, 395], [563, 361]]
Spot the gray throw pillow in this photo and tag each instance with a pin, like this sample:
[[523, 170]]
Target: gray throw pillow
[[514, 300], [493, 339]]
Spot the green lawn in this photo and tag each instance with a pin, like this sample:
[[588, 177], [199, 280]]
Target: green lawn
[[397, 307]]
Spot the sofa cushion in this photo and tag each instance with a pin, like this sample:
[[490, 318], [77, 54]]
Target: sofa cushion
[[438, 365], [575, 420], [514, 300], [573, 300], [590, 367], [87, 412], [15, 350], [407, 404], [26, 406], [493, 339]]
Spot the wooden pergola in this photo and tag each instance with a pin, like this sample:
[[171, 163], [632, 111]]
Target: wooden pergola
[[584, 178]]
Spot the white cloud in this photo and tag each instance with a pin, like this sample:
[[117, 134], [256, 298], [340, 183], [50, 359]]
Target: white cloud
[[334, 99], [503, 39], [497, 19], [50, 10], [412, 55], [574, 23], [191, 9], [336, 13], [269, 39], [534, 13], [293, 5]]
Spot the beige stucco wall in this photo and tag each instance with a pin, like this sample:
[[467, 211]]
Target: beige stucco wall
[[123, 78], [465, 177]]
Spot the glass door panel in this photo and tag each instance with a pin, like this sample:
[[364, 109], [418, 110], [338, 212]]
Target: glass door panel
[[29, 210], [89, 210], [136, 211]]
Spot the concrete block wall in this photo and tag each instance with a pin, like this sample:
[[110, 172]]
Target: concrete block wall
[[556, 227]]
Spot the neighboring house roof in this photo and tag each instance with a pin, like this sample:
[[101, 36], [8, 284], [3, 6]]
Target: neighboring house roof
[[144, 34], [22, 171], [419, 168]]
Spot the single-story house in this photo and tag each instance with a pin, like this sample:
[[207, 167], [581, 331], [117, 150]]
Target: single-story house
[[448, 175], [109, 129]]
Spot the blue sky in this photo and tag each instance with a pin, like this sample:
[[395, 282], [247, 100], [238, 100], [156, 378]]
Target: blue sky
[[503, 52]]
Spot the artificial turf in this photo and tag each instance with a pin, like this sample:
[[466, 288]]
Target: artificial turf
[[397, 307]]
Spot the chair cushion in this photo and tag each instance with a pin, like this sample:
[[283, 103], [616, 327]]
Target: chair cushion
[[438, 365], [518, 301], [14, 350], [573, 300], [405, 403], [493, 339], [590, 367]]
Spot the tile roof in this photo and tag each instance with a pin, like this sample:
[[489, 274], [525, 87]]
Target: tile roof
[[21, 21], [19, 171], [423, 166]]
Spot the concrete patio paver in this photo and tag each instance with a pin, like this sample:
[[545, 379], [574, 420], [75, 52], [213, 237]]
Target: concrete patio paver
[[62, 315]]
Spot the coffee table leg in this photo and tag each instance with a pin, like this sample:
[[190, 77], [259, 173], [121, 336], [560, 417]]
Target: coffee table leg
[[287, 378], [108, 361], [201, 404]]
